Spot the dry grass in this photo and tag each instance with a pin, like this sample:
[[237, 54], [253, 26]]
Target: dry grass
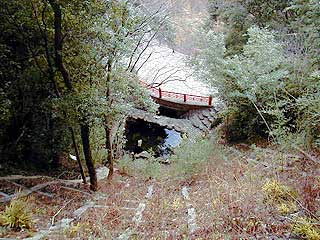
[[251, 194]]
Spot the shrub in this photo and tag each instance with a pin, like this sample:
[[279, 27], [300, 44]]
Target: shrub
[[147, 168], [17, 215], [265, 92], [287, 208], [275, 192], [189, 157], [306, 229]]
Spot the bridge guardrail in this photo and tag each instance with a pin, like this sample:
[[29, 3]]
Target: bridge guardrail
[[159, 93]]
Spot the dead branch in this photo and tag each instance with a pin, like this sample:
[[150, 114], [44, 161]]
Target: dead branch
[[144, 62], [63, 207], [135, 50], [147, 45], [4, 194], [26, 192], [24, 187], [21, 177], [75, 190], [307, 155], [37, 188]]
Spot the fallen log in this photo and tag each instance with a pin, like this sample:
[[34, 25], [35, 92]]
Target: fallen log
[[21, 177], [24, 187], [37, 188]]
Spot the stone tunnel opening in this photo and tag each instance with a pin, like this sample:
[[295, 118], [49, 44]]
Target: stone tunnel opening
[[172, 113], [153, 138]]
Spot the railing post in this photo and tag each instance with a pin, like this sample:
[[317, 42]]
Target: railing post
[[210, 100], [160, 93], [184, 97]]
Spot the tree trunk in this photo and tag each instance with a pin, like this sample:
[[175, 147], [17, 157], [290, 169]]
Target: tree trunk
[[85, 132], [109, 148], [107, 128], [76, 150], [58, 43], [58, 60]]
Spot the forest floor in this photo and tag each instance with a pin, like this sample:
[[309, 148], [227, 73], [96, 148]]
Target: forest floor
[[238, 193]]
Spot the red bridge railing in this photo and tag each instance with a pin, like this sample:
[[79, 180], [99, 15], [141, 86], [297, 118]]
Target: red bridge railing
[[159, 93]]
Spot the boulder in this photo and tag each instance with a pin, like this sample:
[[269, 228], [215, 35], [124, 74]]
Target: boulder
[[200, 116], [143, 154], [206, 122], [206, 113]]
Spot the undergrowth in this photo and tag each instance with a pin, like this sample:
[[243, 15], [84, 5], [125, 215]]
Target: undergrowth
[[146, 168], [307, 228], [17, 215], [256, 193], [190, 156]]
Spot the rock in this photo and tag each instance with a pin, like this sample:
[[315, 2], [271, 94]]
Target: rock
[[144, 155], [206, 122], [170, 127], [178, 129], [196, 121], [206, 113], [213, 112], [211, 119], [164, 161], [200, 116], [202, 128], [72, 157]]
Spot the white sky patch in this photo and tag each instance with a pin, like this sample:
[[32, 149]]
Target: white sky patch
[[169, 67]]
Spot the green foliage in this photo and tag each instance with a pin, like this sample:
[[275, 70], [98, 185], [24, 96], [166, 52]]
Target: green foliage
[[240, 15], [190, 156], [36, 106], [270, 80], [247, 82], [263, 91], [306, 21], [17, 215], [149, 168]]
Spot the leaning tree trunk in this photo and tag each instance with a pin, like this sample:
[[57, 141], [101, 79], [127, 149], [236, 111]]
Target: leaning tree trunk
[[59, 64], [85, 133], [76, 150]]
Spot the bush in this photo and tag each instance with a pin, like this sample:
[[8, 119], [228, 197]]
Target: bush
[[147, 168], [17, 215], [188, 158], [263, 90]]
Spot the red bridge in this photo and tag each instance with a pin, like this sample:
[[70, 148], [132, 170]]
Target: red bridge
[[178, 101]]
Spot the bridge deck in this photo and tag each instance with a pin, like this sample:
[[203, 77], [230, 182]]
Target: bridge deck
[[181, 100]]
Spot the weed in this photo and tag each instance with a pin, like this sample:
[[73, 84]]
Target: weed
[[275, 192], [306, 229], [190, 156], [149, 168], [73, 230], [287, 208], [17, 215]]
